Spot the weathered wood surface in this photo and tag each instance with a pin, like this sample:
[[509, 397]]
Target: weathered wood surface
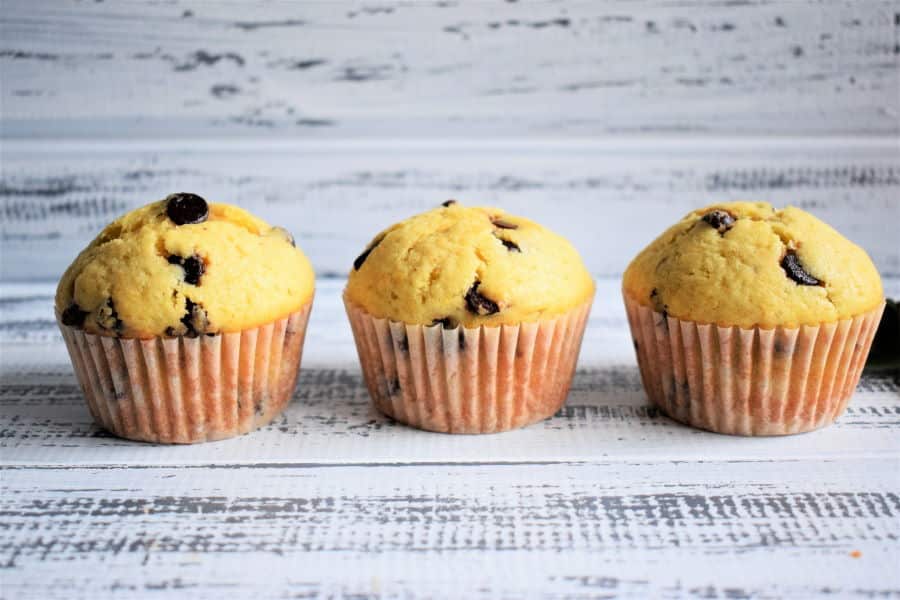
[[44, 419], [609, 198], [606, 499], [624, 530], [448, 68]]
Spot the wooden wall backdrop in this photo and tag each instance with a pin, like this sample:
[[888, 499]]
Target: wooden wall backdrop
[[449, 68], [604, 120]]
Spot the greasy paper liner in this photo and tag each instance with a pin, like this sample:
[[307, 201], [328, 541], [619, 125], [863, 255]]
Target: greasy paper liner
[[478, 380], [750, 381], [183, 390]]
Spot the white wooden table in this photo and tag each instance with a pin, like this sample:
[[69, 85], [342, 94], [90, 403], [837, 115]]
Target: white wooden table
[[606, 499]]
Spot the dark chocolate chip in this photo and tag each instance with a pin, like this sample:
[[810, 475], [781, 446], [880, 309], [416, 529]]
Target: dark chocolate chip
[[449, 203], [462, 339], [193, 267], [394, 386], [478, 304], [446, 323], [186, 209], [289, 238], [658, 305], [719, 220], [73, 316], [194, 319], [362, 257], [503, 223], [783, 348], [510, 245], [403, 344], [794, 270], [108, 318]]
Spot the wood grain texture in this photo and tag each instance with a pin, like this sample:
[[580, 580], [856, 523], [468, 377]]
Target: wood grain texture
[[771, 530], [609, 198], [607, 499], [330, 421], [448, 68]]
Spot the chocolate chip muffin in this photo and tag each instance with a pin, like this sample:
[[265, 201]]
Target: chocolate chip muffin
[[185, 320], [751, 320], [468, 320]]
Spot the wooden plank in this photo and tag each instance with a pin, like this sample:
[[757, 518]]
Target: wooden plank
[[328, 69], [44, 420], [609, 197], [658, 529]]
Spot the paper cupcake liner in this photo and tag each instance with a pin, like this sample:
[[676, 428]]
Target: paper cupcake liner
[[479, 380], [183, 390], [750, 381]]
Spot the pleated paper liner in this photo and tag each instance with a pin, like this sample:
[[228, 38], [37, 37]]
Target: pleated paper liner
[[183, 390], [478, 380], [750, 381]]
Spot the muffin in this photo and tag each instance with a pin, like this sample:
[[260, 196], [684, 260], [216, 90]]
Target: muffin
[[468, 320], [185, 321], [752, 321]]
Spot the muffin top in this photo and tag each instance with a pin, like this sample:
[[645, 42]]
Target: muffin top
[[469, 266], [181, 266], [747, 264]]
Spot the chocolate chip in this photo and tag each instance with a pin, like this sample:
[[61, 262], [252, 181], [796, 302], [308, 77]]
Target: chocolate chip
[[403, 344], [783, 347], [794, 270], [186, 209], [73, 316], [108, 318], [503, 223], [462, 339], [194, 319], [658, 304], [362, 257], [478, 304], [284, 233], [193, 269], [719, 220], [449, 203], [394, 386], [193, 266], [509, 244], [446, 323]]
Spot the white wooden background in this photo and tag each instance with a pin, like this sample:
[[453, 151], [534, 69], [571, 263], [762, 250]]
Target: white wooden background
[[606, 499], [604, 120]]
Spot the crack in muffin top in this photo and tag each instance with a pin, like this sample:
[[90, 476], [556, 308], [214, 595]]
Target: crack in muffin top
[[470, 266]]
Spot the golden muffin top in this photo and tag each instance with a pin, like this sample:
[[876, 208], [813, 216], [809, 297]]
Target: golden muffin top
[[747, 264], [469, 266], [182, 266]]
